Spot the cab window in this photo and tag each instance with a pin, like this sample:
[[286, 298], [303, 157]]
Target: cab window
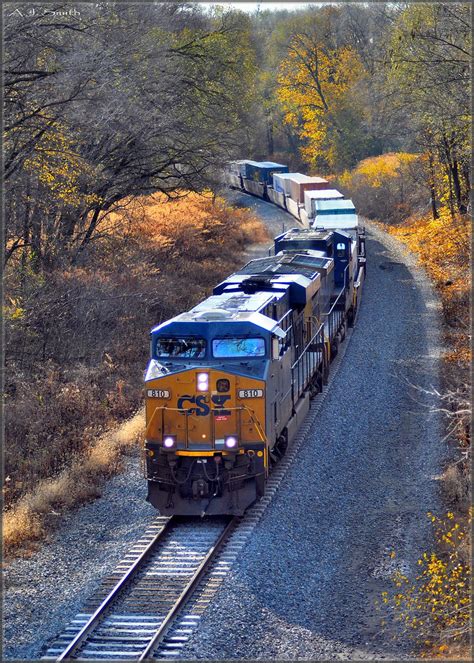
[[238, 347], [192, 348]]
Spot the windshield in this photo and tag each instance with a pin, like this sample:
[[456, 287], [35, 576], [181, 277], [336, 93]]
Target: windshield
[[194, 348], [238, 347]]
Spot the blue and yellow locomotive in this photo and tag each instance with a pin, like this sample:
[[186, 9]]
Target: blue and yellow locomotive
[[229, 382]]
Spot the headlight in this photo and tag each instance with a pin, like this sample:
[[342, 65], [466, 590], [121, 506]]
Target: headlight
[[154, 370], [230, 442], [203, 381], [169, 441]]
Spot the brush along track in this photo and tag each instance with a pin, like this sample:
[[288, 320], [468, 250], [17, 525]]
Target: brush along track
[[130, 615]]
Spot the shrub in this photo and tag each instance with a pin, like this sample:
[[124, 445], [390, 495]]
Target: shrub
[[434, 607], [389, 187], [77, 337]]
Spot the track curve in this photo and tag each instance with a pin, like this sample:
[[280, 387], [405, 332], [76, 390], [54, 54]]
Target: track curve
[[356, 495]]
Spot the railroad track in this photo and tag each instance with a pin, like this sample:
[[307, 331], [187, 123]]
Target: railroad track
[[155, 612], [136, 614]]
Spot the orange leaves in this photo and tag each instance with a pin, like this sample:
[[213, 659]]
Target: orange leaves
[[181, 221]]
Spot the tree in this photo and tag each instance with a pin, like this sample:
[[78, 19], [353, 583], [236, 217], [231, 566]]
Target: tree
[[143, 98], [320, 85], [430, 77]]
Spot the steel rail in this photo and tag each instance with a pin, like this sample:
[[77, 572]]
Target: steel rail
[[187, 591], [89, 626]]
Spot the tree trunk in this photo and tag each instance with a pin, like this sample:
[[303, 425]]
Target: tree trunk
[[89, 232], [434, 209], [457, 186], [270, 143], [36, 248]]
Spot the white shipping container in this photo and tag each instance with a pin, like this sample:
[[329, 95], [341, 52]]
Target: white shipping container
[[323, 194], [293, 207], [281, 182]]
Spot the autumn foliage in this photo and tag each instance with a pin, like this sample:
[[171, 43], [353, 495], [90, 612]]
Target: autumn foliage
[[435, 606], [388, 187], [77, 337], [317, 87]]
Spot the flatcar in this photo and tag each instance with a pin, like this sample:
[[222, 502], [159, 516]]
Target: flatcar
[[230, 381]]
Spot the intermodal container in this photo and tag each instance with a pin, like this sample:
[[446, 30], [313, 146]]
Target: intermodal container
[[261, 171], [300, 183], [323, 194]]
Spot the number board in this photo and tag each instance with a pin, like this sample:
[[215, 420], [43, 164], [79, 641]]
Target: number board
[[158, 393], [250, 393]]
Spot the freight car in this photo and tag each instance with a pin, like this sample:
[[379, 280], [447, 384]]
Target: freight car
[[298, 194], [229, 382]]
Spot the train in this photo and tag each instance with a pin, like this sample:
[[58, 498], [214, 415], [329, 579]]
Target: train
[[229, 382]]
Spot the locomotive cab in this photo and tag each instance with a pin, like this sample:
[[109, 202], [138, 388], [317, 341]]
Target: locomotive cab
[[206, 448]]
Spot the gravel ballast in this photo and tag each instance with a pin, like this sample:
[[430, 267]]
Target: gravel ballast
[[306, 584], [363, 482]]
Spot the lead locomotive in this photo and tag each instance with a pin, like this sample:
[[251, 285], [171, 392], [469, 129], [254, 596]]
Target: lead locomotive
[[229, 382]]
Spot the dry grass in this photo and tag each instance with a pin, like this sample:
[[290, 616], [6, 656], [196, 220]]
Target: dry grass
[[456, 483], [77, 345], [32, 517]]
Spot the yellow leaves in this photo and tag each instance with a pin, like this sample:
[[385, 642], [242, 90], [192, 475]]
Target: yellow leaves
[[437, 598], [377, 170], [315, 84], [13, 310], [17, 313], [57, 165]]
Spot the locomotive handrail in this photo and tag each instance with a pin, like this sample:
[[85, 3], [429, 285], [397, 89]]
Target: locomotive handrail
[[305, 349], [289, 312], [301, 373], [334, 303]]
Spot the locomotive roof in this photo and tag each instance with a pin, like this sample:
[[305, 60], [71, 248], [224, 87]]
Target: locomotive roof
[[286, 263], [305, 234], [227, 307], [238, 302]]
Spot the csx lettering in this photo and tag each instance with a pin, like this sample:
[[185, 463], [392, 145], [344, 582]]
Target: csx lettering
[[202, 407]]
